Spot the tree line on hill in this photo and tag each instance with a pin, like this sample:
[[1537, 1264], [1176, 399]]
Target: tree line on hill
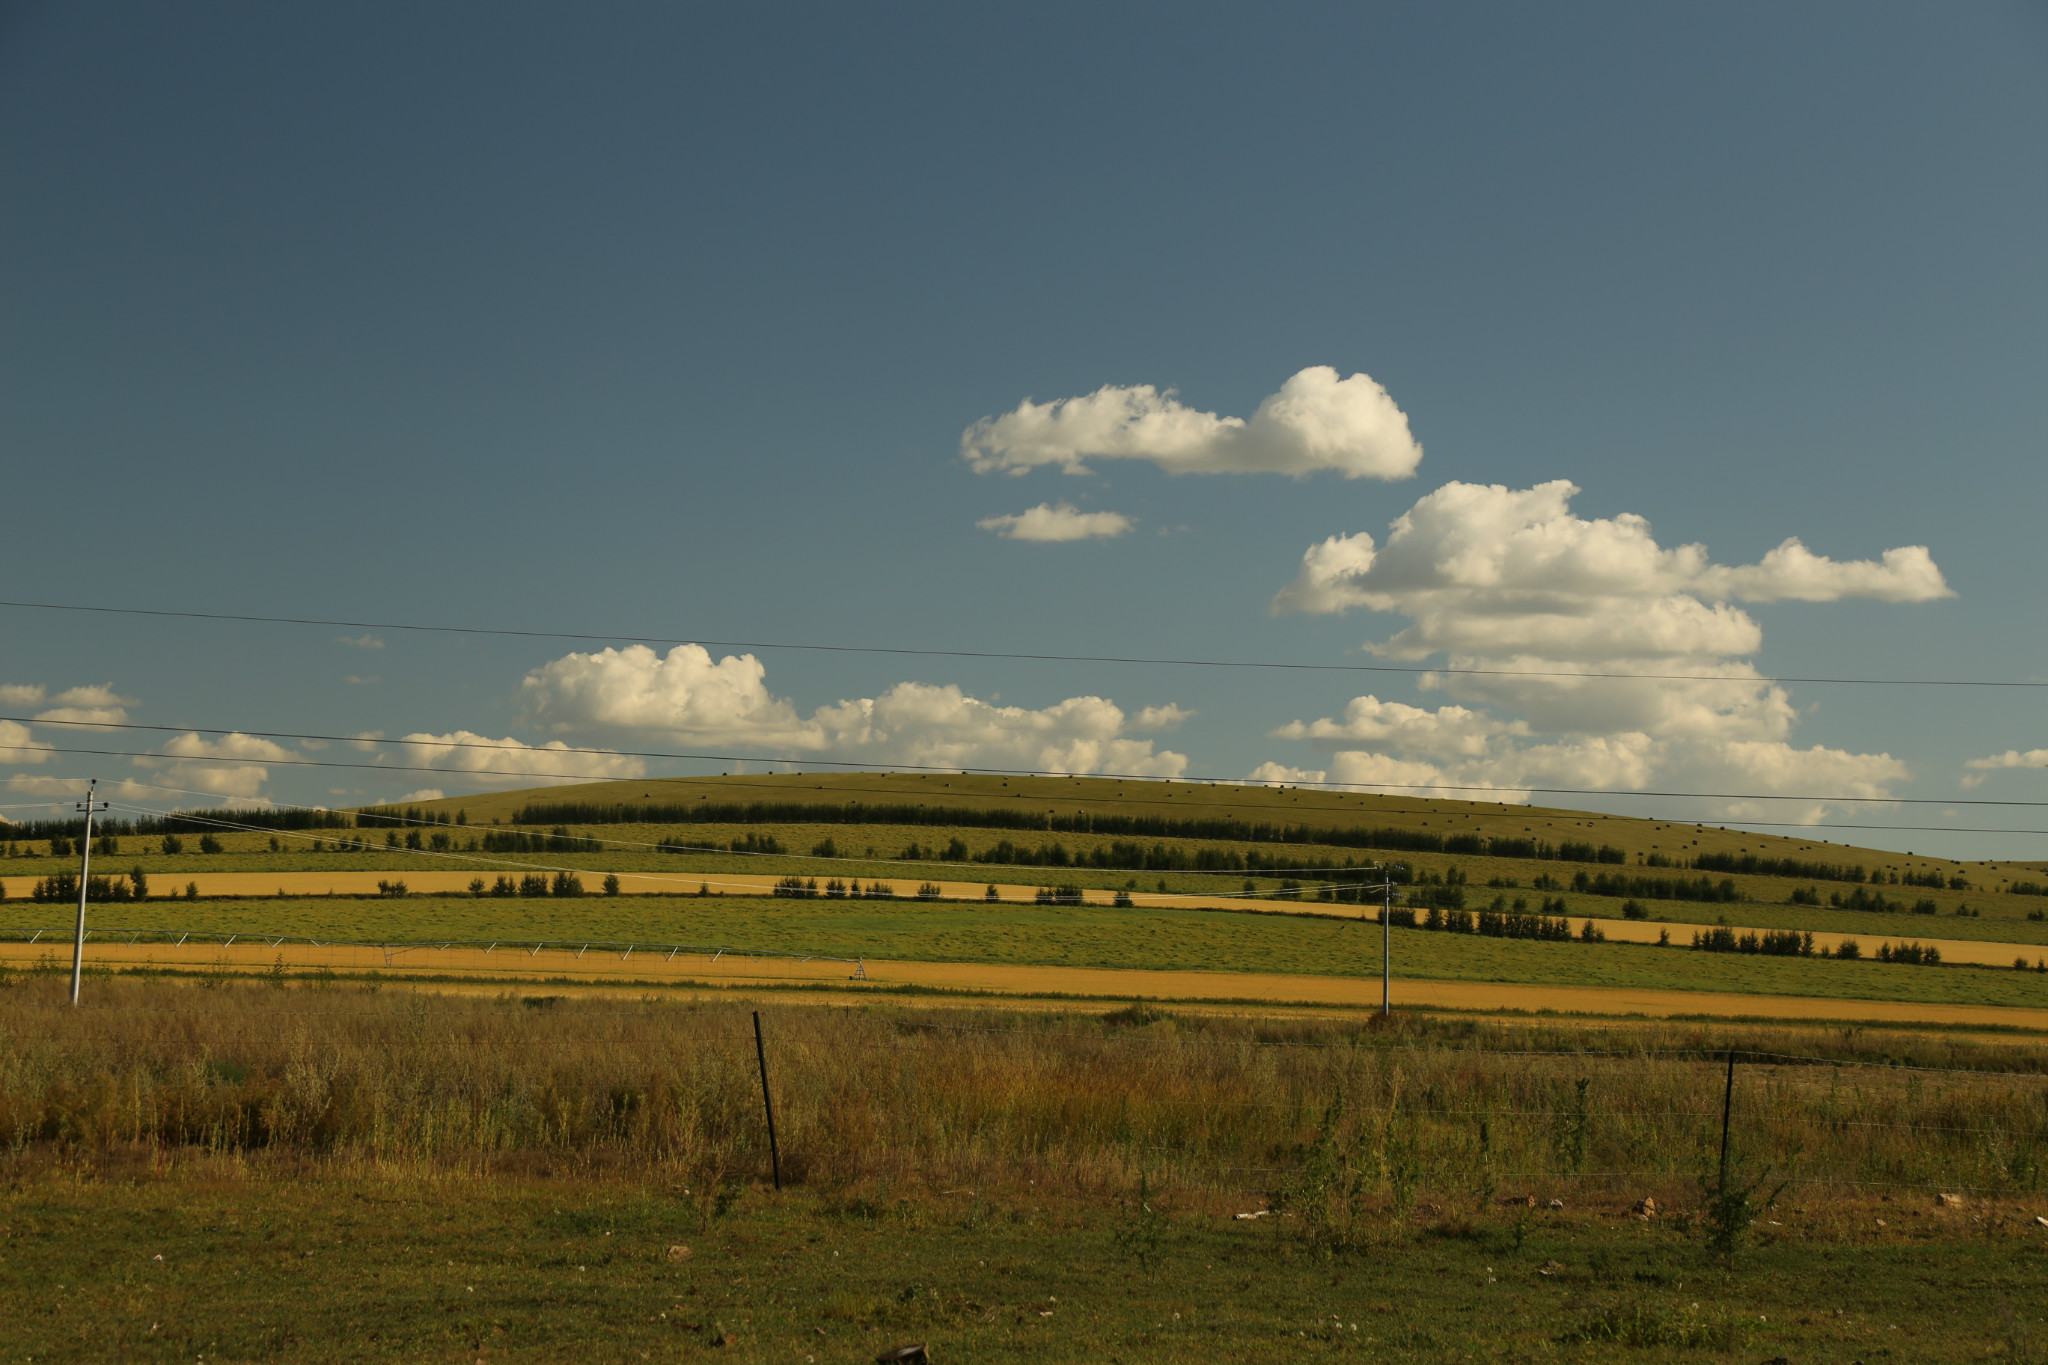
[[181, 822], [1078, 822]]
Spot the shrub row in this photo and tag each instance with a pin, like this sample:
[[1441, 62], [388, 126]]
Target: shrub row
[[1078, 822]]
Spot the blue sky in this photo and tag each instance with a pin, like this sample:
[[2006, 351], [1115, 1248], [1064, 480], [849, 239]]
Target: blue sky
[[669, 322]]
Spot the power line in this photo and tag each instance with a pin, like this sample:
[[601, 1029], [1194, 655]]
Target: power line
[[859, 764], [901, 651]]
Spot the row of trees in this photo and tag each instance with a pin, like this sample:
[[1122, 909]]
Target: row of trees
[[63, 886], [538, 884], [109, 846], [1792, 943], [709, 812], [836, 889], [182, 822]]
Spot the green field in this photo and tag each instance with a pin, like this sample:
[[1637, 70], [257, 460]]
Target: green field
[[2000, 916], [239, 1268], [331, 1171], [1078, 936], [1144, 937]]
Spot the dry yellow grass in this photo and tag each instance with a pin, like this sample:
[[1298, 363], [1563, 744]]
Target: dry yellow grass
[[598, 966]]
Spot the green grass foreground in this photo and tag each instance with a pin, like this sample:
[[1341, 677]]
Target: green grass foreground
[[342, 1269], [1083, 936]]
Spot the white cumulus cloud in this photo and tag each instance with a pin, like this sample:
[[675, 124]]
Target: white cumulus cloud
[[685, 694], [1318, 421], [687, 698], [2011, 758], [18, 744], [1046, 522], [232, 765], [511, 761], [1487, 568], [1556, 628], [1448, 730], [97, 704]]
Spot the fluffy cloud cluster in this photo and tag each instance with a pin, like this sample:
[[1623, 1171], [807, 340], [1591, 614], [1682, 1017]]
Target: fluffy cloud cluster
[[1046, 522], [98, 703], [1317, 421], [687, 698], [230, 766], [74, 706], [510, 762], [1980, 768], [1486, 569], [2011, 758], [1561, 625], [17, 744]]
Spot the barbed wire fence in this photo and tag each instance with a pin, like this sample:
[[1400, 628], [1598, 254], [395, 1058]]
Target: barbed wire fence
[[308, 1059]]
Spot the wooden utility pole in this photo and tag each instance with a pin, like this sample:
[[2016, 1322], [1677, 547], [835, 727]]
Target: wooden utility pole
[[89, 806]]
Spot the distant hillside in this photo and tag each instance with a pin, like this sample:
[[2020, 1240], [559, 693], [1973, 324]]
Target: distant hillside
[[1070, 802]]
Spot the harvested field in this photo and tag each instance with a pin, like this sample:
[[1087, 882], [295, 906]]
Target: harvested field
[[598, 965], [365, 883]]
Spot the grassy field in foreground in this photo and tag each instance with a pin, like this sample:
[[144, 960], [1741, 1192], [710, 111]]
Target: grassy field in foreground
[[237, 1171], [1090, 936], [547, 1270]]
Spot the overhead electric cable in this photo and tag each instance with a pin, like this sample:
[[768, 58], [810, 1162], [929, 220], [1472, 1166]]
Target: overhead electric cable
[[1164, 662]]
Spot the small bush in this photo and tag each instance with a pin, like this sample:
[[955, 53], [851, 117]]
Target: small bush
[[1636, 1324]]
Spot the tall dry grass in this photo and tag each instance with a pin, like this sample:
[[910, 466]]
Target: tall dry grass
[[352, 1075]]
